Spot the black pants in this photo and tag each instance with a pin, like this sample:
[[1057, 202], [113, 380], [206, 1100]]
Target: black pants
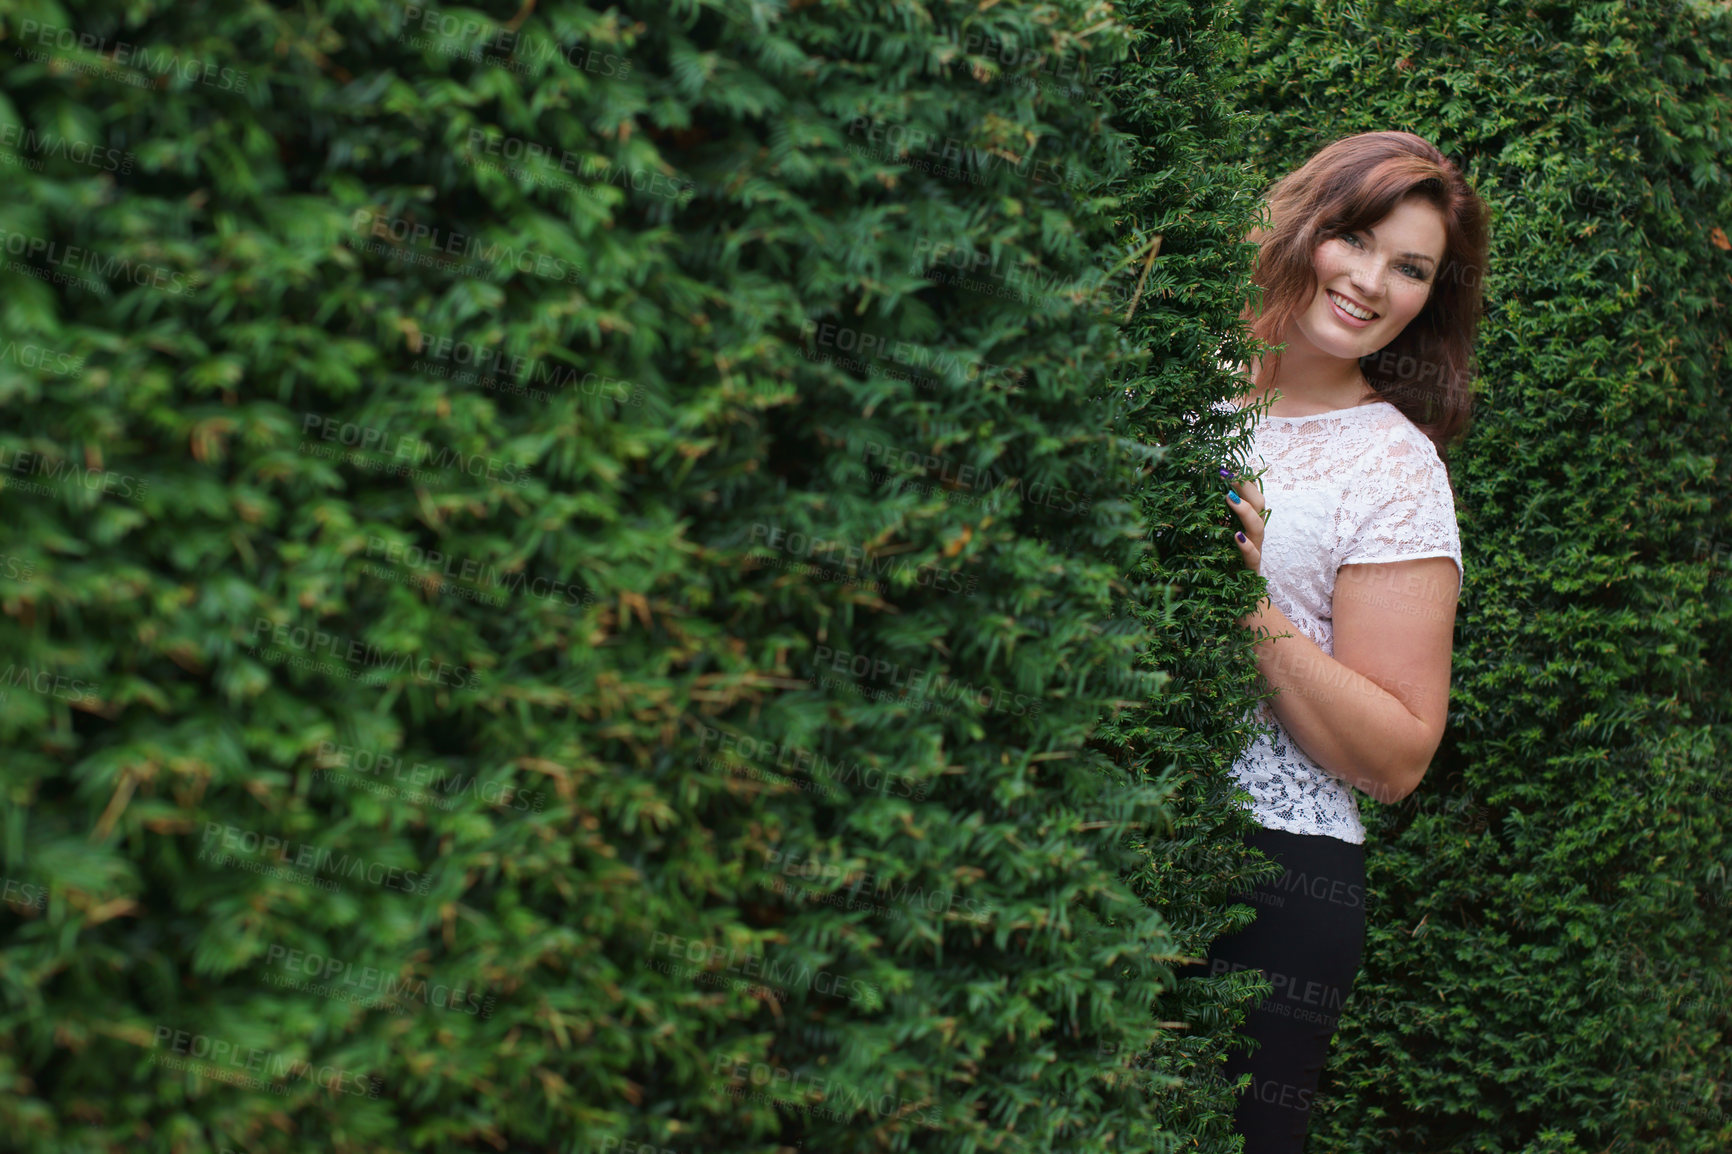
[[1308, 939]]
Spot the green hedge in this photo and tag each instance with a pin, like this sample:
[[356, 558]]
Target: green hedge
[[1545, 968], [619, 579], [565, 573], [1177, 97]]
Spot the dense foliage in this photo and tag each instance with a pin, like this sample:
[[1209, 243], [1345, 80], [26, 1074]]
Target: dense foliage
[[561, 572], [651, 577]]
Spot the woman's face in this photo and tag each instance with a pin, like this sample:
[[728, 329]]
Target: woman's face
[[1371, 282]]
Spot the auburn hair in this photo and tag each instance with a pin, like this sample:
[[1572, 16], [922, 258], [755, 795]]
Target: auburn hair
[[1427, 370]]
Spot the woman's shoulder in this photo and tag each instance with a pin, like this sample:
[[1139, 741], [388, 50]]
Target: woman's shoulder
[[1394, 456], [1402, 435]]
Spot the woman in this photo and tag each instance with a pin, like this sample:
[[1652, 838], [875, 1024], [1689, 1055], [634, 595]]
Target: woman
[[1370, 268]]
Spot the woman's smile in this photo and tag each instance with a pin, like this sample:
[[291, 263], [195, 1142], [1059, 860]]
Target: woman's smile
[[1352, 312]]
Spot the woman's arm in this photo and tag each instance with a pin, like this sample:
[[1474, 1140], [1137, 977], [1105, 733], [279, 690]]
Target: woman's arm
[[1374, 713]]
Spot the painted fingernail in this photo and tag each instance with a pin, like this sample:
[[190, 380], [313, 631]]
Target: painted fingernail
[[1224, 471], [1241, 537], [1232, 496]]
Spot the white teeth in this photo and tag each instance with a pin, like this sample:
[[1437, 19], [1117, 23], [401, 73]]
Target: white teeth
[[1351, 309]]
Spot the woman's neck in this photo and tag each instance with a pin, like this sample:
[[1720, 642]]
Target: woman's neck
[[1310, 384]]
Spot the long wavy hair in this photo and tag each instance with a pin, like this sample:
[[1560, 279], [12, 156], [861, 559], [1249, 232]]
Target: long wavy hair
[[1427, 370]]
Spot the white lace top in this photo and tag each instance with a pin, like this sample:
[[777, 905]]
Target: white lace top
[[1351, 486]]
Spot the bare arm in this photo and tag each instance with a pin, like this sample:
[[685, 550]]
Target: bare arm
[[1374, 713]]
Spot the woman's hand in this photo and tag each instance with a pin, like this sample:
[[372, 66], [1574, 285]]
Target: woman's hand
[[1245, 498]]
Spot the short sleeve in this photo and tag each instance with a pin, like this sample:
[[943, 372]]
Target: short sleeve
[[1404, 510]]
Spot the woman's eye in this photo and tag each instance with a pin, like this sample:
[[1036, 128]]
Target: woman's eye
[[1351, 239], [1413, 271]]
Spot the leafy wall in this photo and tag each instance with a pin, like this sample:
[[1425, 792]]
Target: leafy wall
[[650, 578], [568, 576]]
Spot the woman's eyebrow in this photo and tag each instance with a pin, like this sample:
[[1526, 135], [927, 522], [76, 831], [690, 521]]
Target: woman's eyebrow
[[1372, 233]]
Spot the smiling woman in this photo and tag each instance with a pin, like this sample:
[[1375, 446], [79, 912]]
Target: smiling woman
[[1372, 260], [1379, 223]]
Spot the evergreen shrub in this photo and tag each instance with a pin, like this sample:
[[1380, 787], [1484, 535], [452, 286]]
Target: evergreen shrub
[[564, 571]]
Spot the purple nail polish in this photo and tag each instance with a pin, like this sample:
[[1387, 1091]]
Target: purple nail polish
[[1225, 473], [1241, 537]]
